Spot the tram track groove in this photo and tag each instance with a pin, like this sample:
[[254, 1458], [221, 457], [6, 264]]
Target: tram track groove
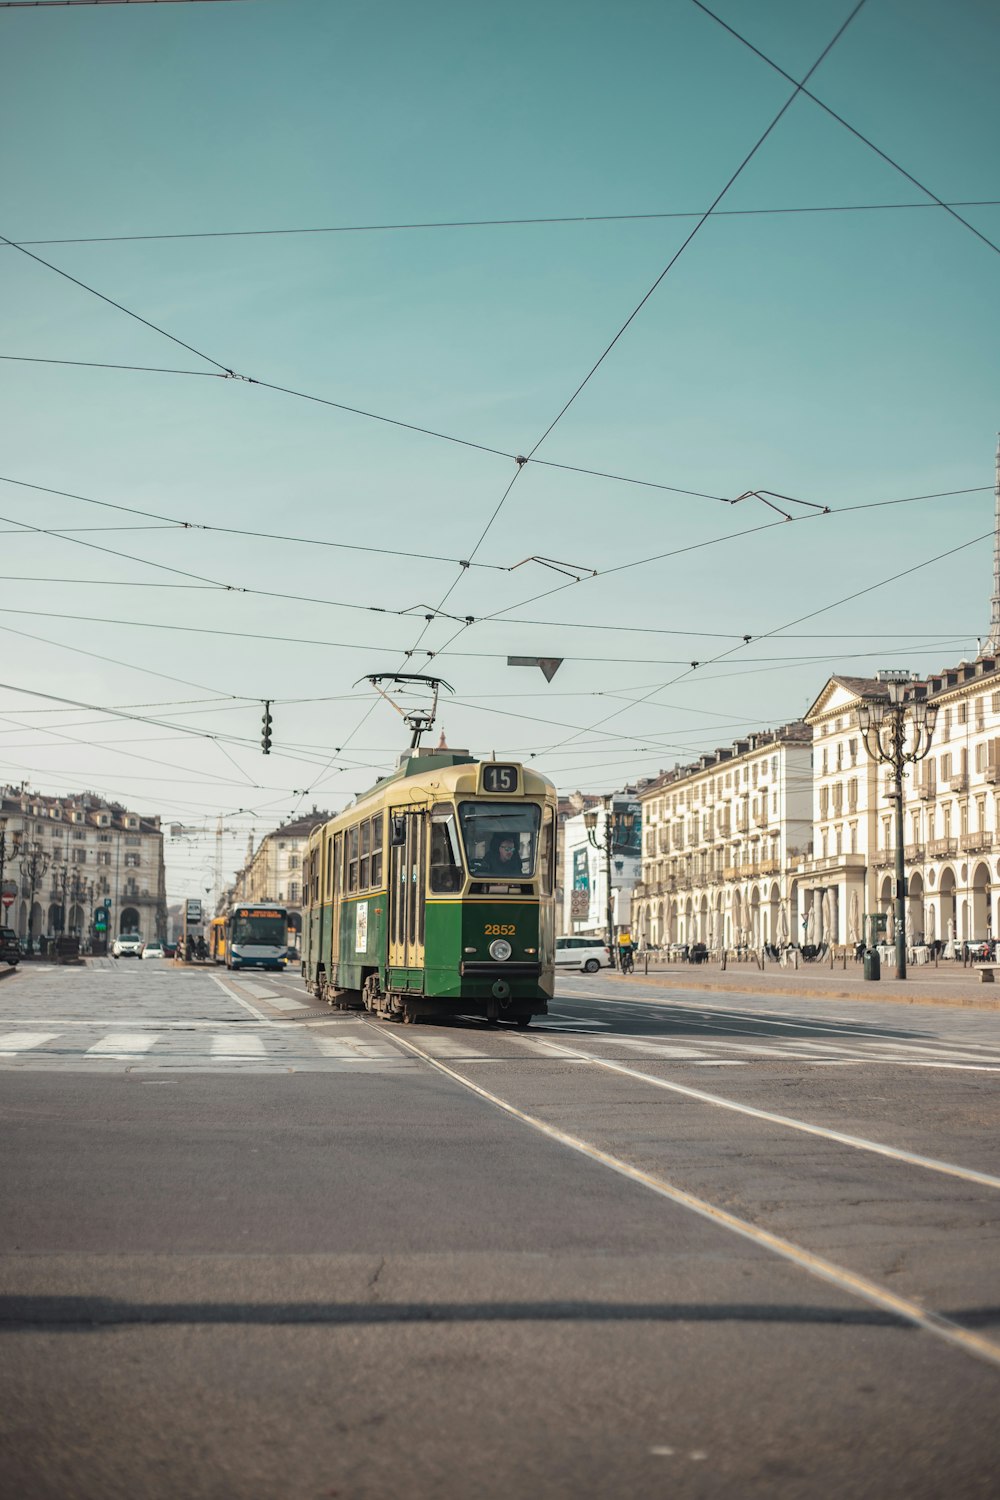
[[851, 1283], [704, 1016]]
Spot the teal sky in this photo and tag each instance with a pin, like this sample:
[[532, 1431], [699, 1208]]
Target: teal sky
[[839, 358]]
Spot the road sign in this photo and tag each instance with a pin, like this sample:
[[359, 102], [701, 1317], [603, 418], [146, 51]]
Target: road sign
[[101, 919], [193, 911], [8, 892], [107, 900]]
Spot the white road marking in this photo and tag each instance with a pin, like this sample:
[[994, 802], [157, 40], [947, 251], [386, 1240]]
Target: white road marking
[[858, 1143], [119, 1043], [818, 1266], [237, 1045], [443, 1046], [23, 1041], [231, 994], [355, 1049]]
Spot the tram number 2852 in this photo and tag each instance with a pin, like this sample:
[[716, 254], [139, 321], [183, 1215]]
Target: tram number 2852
[[500, 929]]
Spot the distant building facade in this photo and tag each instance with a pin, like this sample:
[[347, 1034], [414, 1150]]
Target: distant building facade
[[584, 881], [719, 840], [273, 872], [71, 854]]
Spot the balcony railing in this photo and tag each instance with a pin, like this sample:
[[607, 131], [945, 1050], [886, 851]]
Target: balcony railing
[[913, 853], [942, 848], [976, 843], [958, 783]]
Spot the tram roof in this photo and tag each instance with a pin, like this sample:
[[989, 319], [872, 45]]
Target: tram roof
[[422, 762]]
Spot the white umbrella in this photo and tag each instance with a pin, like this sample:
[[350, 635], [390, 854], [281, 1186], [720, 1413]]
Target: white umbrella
[[890, 926], [853, 919], [829, 935], [781, 936], [951, 930], [812, 921]]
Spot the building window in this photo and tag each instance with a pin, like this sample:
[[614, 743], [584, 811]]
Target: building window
[[131, 861], [79, 856], [79, 833], [293, 861], [293, 891], [104, 838], [104, 856], [963, 713]]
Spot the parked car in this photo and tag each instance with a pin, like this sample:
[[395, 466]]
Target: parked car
[[10, 946], [128, 945], [588, 954], [170, 950], [153, 950]]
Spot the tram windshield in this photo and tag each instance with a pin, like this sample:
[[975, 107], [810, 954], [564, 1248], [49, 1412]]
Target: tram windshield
[[255, 927], [501, 838]]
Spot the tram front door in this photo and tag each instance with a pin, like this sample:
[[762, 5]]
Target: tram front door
[[407, 893]]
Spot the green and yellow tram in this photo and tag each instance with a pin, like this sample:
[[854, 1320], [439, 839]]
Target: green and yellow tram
[[434, 893]]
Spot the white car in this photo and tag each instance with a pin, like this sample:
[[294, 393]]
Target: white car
[[588, 954], [152, 950], [129, 945]]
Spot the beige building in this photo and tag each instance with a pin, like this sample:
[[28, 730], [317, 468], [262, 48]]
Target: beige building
[[951, 815], [68, 855], [719, 841], [273, 872]]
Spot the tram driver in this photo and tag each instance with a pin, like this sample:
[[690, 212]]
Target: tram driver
[[503, 858]]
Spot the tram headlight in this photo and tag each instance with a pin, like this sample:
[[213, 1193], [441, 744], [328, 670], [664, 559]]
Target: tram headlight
[[500, 950]]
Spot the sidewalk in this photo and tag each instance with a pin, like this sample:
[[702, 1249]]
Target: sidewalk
[[950, 984]]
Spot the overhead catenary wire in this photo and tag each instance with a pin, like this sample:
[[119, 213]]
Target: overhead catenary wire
[[865, 140], [525, 220], [800, 619], [703, 219]]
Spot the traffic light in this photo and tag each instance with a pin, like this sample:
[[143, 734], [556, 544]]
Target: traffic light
[[265, 738]]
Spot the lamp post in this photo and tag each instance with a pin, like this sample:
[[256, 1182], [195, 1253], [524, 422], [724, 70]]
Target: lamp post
[[606, 847], [885, 726]]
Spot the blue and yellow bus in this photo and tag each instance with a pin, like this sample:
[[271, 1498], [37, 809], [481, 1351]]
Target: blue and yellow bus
[[252, 935]]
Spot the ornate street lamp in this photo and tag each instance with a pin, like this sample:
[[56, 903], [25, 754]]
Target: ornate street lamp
[[887, 725], [624, 821]]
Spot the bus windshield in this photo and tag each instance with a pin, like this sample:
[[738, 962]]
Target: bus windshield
[[500, 837], [255, 928]]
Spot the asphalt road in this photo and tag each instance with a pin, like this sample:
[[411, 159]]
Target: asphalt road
[[655, 1245]]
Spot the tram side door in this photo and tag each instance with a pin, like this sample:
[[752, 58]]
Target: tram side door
[[407, 888]]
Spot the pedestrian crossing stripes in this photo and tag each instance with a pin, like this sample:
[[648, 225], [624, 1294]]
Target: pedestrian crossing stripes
[[290, 1047]]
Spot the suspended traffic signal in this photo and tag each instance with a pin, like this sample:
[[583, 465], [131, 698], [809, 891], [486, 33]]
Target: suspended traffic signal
[[265, 738]]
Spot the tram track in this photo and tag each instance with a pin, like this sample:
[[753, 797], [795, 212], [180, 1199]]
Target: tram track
[[719, 1018], [856, 1284]]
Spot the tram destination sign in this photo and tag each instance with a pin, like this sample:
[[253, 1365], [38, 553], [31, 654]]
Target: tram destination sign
[[498, 778]]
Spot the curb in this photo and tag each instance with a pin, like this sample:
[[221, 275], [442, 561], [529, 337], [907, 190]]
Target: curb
[[954, 1002], [7, 971]]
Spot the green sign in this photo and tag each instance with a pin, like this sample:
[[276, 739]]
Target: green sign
[[101, 919]]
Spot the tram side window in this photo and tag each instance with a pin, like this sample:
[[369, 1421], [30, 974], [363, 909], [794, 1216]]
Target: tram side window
[[328, 892], [366, 849], [338, 873], [353, 836], [548, 851], [377, 850], [446, 862]]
